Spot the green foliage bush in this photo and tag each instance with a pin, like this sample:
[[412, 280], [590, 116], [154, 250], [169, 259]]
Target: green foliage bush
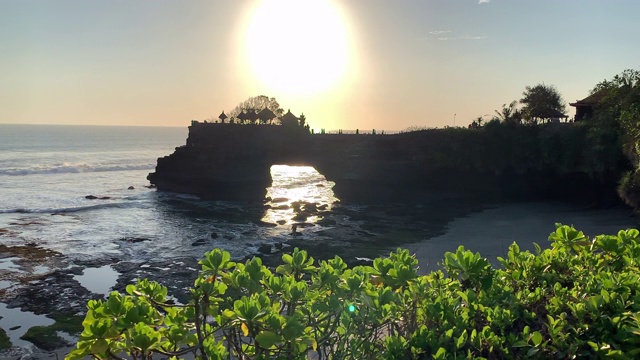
[[579, 298]]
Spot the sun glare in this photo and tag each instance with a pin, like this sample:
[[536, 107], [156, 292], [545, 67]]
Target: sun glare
[[296, 47]]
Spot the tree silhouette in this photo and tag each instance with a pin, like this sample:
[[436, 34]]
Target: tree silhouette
[[509, 113], [257, 103], [540, 100]]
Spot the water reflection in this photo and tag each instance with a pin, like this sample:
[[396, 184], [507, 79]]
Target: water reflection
[[298, 195]]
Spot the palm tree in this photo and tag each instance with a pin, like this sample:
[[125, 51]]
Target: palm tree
[[510, 114]]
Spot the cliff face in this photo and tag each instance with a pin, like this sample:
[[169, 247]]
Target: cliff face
[[232, 162]]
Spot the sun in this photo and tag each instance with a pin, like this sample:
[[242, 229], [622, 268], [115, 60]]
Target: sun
[[296, 47]]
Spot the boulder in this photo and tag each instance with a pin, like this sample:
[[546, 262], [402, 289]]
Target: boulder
[[93, 197], [134, 239], [264, 249], [199, 242]]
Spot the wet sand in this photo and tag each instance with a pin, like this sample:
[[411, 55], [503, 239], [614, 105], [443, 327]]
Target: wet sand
[[491, 231]]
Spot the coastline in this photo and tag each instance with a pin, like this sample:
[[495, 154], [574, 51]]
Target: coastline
[[488, 230]]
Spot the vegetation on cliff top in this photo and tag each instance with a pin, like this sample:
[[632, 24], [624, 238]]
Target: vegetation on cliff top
[[580, 298], [605, 144]]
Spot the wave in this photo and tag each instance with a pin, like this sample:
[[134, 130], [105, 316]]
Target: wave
[[66, 210], [68, 168]]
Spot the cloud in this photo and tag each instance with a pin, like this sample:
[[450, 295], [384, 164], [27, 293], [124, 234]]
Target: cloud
[[448, 35], [464, 37], [483, 1]]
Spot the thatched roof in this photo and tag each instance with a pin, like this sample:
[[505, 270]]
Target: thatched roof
[[591, 100], [222, 116], [251, 115], [242, 116], [288, 117], [549, 114], [266, 114]]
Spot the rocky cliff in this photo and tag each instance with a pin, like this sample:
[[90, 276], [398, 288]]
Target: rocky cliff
[[232, 162]]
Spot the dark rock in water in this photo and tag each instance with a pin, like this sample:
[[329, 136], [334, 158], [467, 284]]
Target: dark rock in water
[[15, 327], [130, 188], [93, 197], [281, 222], [214, 235], [322, 207], [264, 249], [279, 200], [229, 237], [319, 185], [303, 225], [302, 217], [264, 224], [280, 207], [278, 246], [326, 222], [152, 186], [134, 239], [199, 242], [56, 292]]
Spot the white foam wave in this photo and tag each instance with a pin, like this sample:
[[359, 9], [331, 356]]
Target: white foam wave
[[70, 168], [67, 209]]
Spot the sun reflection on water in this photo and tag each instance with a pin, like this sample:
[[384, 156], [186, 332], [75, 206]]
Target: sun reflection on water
[[298, 195]]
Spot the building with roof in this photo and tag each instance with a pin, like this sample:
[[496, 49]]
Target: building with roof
[[289, 119], [586, 106]]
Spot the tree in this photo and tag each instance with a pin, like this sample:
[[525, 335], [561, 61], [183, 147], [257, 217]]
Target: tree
[[618, 112], [510, 114], [257, 103], [477, 123], [539, 100]]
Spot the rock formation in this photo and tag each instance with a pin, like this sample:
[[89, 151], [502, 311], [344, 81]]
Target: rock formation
[[232, 162]]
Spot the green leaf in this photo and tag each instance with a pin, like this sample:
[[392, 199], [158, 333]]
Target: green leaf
[[440, 354], [100, 346], [462, 340], [536, 337], [267, 339]]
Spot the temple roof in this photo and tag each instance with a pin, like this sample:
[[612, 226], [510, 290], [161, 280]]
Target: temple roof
[[591, 100], [288, 117], [550, 114], [251, 115], [266, 114], [222, 116]]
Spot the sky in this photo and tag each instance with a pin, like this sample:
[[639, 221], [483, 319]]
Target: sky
[[345, 64]]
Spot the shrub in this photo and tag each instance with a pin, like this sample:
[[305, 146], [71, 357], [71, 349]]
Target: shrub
[[578, 298]]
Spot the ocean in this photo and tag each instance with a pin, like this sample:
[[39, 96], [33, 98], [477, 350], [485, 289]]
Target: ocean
[[47, 173], [77, 217]]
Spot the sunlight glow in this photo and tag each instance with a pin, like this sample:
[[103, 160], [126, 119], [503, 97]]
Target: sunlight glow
[[298, 47], [302, 185]]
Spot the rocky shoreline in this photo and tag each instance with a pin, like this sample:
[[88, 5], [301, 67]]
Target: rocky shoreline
[[356, 233]]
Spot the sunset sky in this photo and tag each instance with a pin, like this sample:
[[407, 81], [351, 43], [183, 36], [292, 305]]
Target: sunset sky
[[347, 64]]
